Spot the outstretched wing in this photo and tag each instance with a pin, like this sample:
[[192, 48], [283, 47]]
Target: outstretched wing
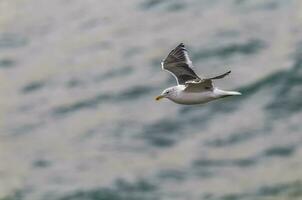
[[202, 85], [199, 86], [179, 64]]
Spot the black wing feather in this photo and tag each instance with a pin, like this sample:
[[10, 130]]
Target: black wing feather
[[179, 64]]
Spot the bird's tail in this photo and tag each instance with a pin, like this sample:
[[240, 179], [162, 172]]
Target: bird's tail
[[233, 93], [224, 93], [221, 76]]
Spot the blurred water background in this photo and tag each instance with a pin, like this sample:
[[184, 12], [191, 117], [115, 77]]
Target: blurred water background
[[78, 116]]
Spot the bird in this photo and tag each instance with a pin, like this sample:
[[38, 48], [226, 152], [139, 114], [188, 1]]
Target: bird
[[190, 88]]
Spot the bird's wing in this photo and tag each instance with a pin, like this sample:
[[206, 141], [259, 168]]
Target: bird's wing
[[202, 85], [221, 76], [199, 86], [179, 65]]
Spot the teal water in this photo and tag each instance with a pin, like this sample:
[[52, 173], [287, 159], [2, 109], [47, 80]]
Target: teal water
[[78, 116]]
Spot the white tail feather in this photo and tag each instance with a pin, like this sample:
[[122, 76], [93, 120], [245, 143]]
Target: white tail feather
[[222, 93], [233, 93]]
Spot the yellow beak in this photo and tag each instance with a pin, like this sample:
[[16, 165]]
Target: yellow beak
[[159, 97]]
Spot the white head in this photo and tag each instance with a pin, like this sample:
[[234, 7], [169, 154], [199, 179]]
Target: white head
[[167, 93]]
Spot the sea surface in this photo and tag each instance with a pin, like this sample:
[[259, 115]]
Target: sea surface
[[78, 120]]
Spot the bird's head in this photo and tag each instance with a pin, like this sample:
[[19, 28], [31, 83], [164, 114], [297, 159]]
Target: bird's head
[[167, 93]]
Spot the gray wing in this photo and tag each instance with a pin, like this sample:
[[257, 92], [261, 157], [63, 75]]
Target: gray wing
[[179, 64], [199, 86], [202, 85]]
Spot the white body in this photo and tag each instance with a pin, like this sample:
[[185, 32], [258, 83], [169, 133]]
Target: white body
[[178, 95]]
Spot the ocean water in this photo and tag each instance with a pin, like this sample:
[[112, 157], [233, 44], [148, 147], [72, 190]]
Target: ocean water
[[78, 116]]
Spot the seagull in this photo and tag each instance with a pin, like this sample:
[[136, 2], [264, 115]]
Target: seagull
[[190, 88]]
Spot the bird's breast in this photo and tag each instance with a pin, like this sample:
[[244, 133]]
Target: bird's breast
[[193, 98]]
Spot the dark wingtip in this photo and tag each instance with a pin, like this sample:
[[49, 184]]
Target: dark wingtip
[[222, 75]]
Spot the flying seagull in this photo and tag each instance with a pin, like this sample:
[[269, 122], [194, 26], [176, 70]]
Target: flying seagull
[[190, 89]]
